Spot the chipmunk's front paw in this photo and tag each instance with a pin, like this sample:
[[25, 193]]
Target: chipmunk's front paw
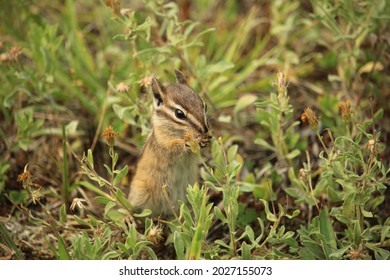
[[195, 141], [204, 140]]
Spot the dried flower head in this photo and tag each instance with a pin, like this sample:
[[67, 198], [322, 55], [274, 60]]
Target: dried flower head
[[125, 12], [146, 81], [109, 134], [4, 57], [14, 52], [36, 195], [25, 177], [77, 202], [155, 234], [310, 116], [99, 231], [281, 82], [357, 254], [115, 6], [122, 87], [345, 110]]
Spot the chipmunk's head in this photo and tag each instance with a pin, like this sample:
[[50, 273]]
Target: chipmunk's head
[[180, 111]]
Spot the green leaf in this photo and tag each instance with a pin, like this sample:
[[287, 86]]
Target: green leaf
[[220, 215], [103, 199], [219, 67], [293, 154], [270, 217], [123, 200], [379, 114], [151, 253], [121, 174], [243, 102], [108, 207], [144, 213], [327, 232], [81, 222], [63, 253], [250, 233], [338, 254], [367, 214], [62, 214], [246, 251], [294, 214], [90, 157], [232, 152], [6, 238], [293, 192], [264, 144], [357, 233], [179, 245]]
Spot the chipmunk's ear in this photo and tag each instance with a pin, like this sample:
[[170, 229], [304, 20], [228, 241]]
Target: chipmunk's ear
[[158, 91], [180, 77]]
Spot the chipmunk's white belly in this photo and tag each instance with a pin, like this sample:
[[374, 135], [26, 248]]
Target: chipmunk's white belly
[[182, 173]]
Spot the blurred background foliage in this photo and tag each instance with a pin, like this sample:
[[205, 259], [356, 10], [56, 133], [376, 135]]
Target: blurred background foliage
[[71, 68]]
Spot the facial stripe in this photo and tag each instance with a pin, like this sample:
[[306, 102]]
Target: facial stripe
[[167, 115], [192, 106]]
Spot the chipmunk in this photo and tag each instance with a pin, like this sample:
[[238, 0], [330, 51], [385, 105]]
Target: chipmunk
[[166, 160]]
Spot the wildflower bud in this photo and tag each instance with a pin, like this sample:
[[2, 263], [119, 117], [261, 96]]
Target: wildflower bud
[[109, 134], [281, 82], [310, 116], [345, 110], [371, 146], [302, 173]]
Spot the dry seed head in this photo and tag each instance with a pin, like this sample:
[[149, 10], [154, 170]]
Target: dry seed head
[[99, 231], [25, 178], [122, 87], [77, 202], [125, 12], [155, 234], [14, 52], [36, 195], [345, 110], [109, 134], [146, 81], [310, 116], [115, 6], [357, 254]]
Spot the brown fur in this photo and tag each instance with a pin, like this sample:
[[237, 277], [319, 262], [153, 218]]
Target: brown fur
[[166, 160]]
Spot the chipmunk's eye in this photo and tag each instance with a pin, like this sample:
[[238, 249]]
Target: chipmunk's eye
[[180, 114]]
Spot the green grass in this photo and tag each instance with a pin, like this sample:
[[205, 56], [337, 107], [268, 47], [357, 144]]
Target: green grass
[[278, 182]]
